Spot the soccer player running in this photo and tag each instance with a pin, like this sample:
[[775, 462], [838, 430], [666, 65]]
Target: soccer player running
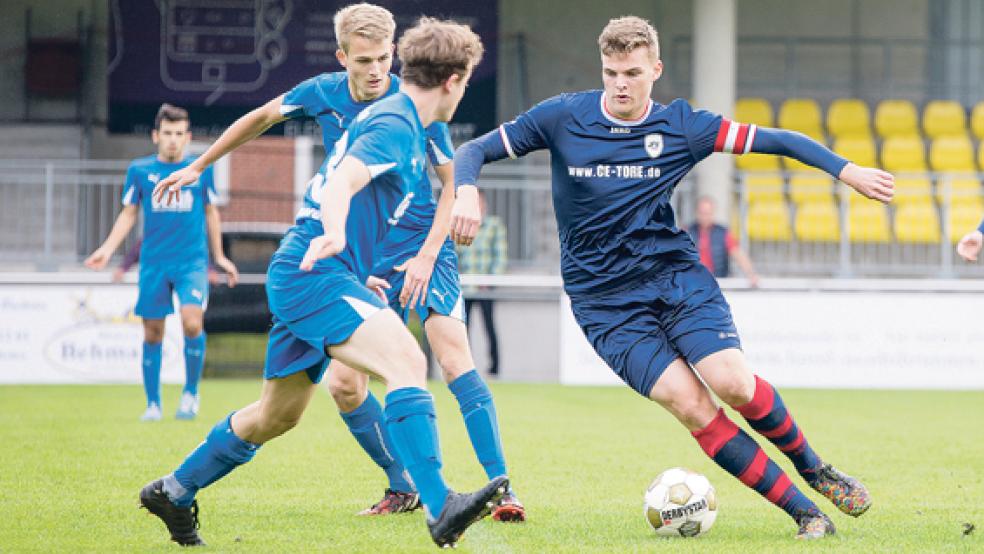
[[637, 288], [321, 307], [173, 256]]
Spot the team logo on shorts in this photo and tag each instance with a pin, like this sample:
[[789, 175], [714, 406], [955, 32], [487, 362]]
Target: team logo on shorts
[[653, 144]]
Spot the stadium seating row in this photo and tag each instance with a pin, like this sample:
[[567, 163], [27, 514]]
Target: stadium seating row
[[867, 222], [850, 117]]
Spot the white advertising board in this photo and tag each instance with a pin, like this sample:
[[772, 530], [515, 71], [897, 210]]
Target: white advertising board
[[835, 339], [79, 333]]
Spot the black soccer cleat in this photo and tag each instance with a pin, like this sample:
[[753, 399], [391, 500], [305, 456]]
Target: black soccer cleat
[[463, 509], [181, 522]]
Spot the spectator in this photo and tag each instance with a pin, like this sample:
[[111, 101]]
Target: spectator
[[486, 255], [717, 245]]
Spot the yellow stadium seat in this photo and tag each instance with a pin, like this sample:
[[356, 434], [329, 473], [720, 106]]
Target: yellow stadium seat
[[977, 121], [952, 153], [917, 223], [849, 117], [868, 222], [817, 222], [944, 118], [754, 110], [803, 115], [964, 218], [964, 189], [903, 154], [769, 221], [764, 181], [980, 155], [913, 189], [810, 186], [896, 118], [860, 150]]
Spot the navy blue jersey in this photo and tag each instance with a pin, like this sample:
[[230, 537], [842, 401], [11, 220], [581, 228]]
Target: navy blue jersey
[[173, 233], [390, 140], [612, 181]]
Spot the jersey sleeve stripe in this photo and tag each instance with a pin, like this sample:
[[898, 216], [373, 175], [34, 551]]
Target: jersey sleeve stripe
[[751, 138], [722, 134], [740, 141], [128, 198], [505, 142], [729, 142]]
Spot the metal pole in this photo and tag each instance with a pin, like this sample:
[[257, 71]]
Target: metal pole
[[49, 194], [946, 257], [845, 240]]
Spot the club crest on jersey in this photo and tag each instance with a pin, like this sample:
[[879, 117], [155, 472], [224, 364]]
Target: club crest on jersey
[[653, 144]]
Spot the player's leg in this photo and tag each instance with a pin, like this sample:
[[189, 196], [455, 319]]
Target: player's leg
[[488, 320], [728, 375], [382, 345], [363, 415], [191, 286], [151, 365], [448, 336]]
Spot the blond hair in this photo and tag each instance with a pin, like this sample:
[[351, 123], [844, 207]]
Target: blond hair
[[433, 50], [625, 34], [364, 20]]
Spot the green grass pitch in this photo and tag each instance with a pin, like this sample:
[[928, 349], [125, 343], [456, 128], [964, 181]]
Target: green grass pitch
[[73, 458]]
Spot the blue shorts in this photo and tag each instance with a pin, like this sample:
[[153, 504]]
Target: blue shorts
[[312, 310], [158, 283], [640, 330], [443, 295]]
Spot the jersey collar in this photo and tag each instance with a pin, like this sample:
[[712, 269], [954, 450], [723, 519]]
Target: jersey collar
[[624, 122]]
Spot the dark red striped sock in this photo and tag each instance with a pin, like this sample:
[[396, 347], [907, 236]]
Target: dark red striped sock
[[736, 452], [767, 414]]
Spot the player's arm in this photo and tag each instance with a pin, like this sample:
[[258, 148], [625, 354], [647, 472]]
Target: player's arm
[[245, 129], [970, 245], [745, 263], [124, 222], [420, 267], [349, 177], [213, 223]]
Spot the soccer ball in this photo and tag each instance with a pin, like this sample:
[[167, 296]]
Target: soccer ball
[[680, 503]]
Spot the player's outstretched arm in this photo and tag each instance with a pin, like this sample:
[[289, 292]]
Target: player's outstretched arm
[[243, 130], [466, 216], [349, 177], [124, 222], [868, 181], [419, 268], [213, 223], [970, 245]]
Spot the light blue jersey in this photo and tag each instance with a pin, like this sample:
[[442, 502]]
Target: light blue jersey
[[173, 234]]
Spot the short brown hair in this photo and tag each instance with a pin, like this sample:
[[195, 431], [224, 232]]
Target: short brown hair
[[624, 34], [365, 20], [433, 50], [167, 112]]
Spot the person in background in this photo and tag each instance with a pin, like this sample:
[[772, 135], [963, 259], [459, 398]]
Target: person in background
[[717, 245], [132, 256], [486, 256]]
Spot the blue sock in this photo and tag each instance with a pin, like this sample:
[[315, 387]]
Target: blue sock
[[412, 425], [152, 372], [368, 425], [221, 452], [478, 409], [194, 360]]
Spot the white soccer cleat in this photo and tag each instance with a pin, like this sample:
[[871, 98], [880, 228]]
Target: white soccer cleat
[[153, 413], [189, 406]]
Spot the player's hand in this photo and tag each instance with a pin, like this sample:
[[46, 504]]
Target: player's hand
[[98, 259], [466, 215], [170, 186], [118, 274], [418, 271], [753, 281], [869, 182], [322, 247], [970, 245], [378, 286], [232, 274]]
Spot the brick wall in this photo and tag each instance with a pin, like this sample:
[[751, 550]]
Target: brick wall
[[261, 182]]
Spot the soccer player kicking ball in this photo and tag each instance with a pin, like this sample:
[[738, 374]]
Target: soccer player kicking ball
[[173, 255], [321, 307], [637, 288]]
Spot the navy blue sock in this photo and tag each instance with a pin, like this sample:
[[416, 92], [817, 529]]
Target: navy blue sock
[[194, 352], [368, 425], [412, 424], [221, 452], [152, 372], [478, 409]]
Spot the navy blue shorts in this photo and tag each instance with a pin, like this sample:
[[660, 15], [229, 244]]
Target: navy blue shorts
[[640, 330]]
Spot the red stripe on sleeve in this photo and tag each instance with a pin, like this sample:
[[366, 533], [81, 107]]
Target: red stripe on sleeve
[[740, 140], [722, 134]]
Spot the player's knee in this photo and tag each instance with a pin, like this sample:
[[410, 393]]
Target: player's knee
[[153, 334], [347, 393], [277, 423], [192, 328]]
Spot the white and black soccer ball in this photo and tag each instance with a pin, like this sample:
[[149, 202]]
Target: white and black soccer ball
[[680, 503]]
